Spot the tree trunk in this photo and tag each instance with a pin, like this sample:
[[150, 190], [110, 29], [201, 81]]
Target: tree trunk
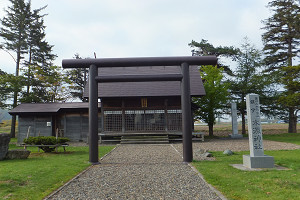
[[292, 116], [243, 122], [13, 127], [292, 121], [15, 103], [211, 129], [29, 71], [242, 110], [13, 119], [18, 61]]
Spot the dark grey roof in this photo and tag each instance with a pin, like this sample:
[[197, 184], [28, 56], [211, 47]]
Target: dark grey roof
[[143, 89], [46, 107]]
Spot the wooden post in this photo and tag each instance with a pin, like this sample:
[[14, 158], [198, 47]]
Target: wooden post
[[93, 116], [186, 114], [56, 133], [28, 132], [123, 116]]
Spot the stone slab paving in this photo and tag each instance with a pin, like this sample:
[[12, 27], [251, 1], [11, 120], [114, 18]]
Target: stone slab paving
[[139, 172]]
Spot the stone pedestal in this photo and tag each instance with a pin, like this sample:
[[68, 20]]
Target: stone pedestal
[[17, 154], [4, 144], [235, 133], [256, 159], [237, 136]]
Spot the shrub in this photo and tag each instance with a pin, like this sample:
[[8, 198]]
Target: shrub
[[45, 140]]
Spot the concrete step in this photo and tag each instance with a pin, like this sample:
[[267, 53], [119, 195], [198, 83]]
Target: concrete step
[[145, 139]]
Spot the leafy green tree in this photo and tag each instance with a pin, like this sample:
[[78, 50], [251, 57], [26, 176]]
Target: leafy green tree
[[211, 105], [204, 48], [9, 84], [77, 79], [50, 87], [54, 84], [4, 90], [281, 43]]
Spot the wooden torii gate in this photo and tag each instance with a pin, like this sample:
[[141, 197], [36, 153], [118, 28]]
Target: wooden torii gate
[[184, 77]]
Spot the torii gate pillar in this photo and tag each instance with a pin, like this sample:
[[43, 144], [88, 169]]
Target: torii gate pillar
[[93, 115], [186, 114]]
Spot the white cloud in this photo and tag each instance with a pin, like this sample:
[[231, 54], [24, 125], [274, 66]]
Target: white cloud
[[118, 28]]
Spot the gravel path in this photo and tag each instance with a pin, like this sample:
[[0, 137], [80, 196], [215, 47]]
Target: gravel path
[[152, 172], [139, 172]]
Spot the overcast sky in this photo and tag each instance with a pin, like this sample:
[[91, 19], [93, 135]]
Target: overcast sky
[[134, 28]]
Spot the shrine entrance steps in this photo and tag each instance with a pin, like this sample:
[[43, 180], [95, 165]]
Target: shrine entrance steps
[[145, 139]]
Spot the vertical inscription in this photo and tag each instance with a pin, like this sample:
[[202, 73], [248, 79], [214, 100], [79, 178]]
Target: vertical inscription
[[254, 125]]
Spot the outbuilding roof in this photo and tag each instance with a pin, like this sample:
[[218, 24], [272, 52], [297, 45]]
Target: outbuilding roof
[[146, 89], [50, 108]]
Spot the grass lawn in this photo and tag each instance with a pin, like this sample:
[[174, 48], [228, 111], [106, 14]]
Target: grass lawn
[[42, 173], [267, 184], [5, 129], [286, 137]]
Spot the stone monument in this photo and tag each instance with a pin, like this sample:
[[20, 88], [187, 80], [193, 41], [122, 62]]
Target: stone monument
[[256, 159], [17, 154], [235, 133], [5, 153], [4, 144]]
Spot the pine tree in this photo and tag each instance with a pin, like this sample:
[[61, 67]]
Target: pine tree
[[204, 48], [23, 32], [281, 42], [291, 96], [14, 31], [282, 36], [248, 79], [39, 56]]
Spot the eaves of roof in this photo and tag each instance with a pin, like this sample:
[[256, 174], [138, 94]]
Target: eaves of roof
[[46, 108]]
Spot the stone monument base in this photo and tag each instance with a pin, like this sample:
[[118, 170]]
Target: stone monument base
[[258, 161], [4, 145], [235, 136], [17, 154]]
